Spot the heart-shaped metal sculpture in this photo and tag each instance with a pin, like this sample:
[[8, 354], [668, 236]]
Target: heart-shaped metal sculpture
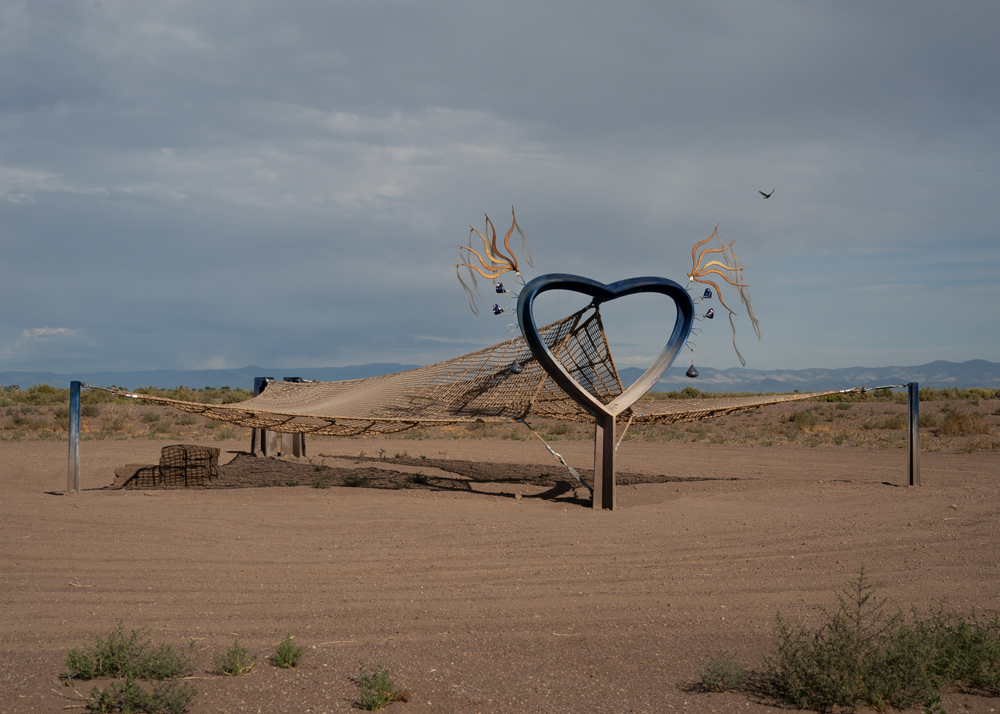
[[604, 414], [604, 293]]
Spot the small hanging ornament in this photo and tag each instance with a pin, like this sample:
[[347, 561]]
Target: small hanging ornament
[[497, 310], [500, 288], [692, 372], [708, 294], [710, 314]]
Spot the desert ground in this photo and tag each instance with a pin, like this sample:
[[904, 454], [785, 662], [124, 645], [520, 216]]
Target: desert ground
[[473, 569]]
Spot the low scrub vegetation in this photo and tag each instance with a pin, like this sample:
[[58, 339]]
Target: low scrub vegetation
[[236, 661], [287, 655], [122, 655], [377, 690], [861, 656], [962, 423], [131, 657]]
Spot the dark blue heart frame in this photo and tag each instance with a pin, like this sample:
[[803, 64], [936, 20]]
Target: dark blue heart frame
[[604, 293]]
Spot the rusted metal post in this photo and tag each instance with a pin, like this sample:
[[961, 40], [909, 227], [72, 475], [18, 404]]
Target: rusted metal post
[[913, 392], [73, 475], [604, 463]]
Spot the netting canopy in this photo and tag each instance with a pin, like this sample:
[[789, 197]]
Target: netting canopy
[[495, 384]]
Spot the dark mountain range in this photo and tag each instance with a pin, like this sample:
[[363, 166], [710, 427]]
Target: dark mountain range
[[974, 373]]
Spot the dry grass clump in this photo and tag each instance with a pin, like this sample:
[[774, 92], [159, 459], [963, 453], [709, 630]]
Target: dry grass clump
[[962, 423]]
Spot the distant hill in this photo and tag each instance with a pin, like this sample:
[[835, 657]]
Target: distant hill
[[974, 373]]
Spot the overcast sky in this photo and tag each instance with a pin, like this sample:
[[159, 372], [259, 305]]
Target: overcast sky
[[193, 185]]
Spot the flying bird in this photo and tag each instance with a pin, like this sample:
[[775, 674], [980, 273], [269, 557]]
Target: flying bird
[[766, 195]]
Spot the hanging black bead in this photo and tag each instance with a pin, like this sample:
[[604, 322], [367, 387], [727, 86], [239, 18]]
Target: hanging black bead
[[708, 293], [710, 314], [497, 310], [692, 372], [500, 288]]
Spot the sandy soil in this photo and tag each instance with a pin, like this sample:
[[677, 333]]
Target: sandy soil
[[474, 599]]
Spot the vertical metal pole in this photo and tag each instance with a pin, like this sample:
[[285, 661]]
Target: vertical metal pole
[[253, 432], [604, 462], [298, 445], [73, 475], [913, 392]]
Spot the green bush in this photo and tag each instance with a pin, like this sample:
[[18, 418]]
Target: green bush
[[721, 672], [122, 655], [90, 410], [377, 688], [236, 661], [322, 481], [861, 657], [127, 697], [287, 655]]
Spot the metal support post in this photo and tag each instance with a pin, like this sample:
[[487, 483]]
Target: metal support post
[[913, 392], [604, 462], [73, 475], [297, 444]]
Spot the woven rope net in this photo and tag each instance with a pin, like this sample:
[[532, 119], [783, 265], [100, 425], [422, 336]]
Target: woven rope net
[[496, 384]]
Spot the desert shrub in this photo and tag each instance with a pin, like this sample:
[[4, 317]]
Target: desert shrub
[[236, 661], [893, 421], [185, 420], [89, 410], [928, 421], [803, 419], [321, 481], [721, 672], [129, 655], [560, 429], [844, 406], [128, 696], [150, 417], [862, 657], [961, 423], [287, 655], [29, 423], [986, 444], [61, 412], [377, 690], [355, 480], [227, 432]]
